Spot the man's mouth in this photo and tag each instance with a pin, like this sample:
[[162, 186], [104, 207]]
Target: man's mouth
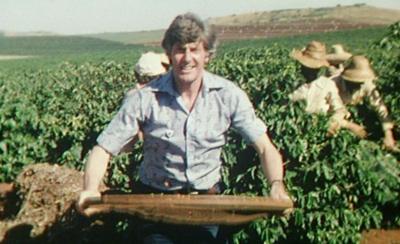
[[186, 68]]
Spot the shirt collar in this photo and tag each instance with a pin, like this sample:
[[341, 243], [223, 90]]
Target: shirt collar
[[212, 81], [166, 83]]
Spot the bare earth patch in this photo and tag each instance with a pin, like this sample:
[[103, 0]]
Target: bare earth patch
[[378, 236], [48, 194], [11, 57]]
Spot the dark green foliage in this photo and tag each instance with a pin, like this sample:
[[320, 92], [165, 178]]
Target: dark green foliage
[[385, 56], [55, 116], [341, 185]]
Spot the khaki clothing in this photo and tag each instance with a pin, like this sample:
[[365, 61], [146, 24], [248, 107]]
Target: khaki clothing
[[321, 96], [369, 90], [335, 71], [330, 95]]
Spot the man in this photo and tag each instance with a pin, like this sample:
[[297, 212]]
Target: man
[[336, 59], [184, 116], [357, 83], [312, 59]]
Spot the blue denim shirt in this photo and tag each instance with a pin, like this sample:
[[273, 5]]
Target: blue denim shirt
[[182, 149]]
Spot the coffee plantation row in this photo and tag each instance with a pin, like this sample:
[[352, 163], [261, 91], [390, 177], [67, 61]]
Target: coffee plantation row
[[341, 185]]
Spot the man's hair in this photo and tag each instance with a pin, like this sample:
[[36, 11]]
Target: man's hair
[[187, 28]]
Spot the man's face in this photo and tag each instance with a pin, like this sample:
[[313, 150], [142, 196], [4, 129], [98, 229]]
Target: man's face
[[188, 62], [352, 86], [309, 73]]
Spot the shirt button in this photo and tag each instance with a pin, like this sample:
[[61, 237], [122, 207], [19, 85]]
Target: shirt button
[[167, 183], [169, 133]]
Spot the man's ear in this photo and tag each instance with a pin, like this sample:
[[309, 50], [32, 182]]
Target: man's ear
[[207, 58], [168, 55]]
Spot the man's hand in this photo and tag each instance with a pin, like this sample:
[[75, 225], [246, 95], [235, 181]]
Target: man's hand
[[390, 144], [83, 200], [333, 128], [357, 129], [278, 192]]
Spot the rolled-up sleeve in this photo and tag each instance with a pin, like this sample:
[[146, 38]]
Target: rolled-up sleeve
[[123, 127], [300, 93], [244, 119], [378, 104]]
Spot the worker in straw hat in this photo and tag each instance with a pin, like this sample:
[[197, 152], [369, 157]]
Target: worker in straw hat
[[336, 59], [321, 93], [312, 59], [357, 83]]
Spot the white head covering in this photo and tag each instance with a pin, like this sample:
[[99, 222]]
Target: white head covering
[[149, 64], [339, 55]]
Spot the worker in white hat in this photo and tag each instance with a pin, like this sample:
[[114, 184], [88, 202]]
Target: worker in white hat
[[336, 59], [150, 66]]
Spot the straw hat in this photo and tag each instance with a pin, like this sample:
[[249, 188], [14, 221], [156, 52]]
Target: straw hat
[[149, 64], [339, 55], [312, 56], [359, 70]]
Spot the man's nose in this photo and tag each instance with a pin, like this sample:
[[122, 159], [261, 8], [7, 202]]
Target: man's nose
[[188, 55]]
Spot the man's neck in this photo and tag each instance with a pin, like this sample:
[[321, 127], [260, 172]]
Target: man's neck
[[189, 92]]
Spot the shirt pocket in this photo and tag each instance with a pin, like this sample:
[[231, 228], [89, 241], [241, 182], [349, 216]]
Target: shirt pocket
[[158, 124], [212, 126]]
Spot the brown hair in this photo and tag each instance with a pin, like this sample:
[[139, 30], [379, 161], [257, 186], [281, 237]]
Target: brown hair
[[187, 28]]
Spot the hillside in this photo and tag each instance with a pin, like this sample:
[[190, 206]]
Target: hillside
[[356, 14], [302, 21], [277, 23], [268, 24]]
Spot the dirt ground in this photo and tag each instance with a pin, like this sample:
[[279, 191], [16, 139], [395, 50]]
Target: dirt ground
[[381, 237], [285, 29], [44, 195], [42, 204]]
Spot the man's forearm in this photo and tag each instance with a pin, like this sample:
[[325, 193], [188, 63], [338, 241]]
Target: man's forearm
[[271, 162], [96, 167], [270, 159]]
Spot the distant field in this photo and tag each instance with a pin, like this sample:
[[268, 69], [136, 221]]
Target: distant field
[[12, 57], [56, 45], [354, 40], [51, 51], [132, 37]]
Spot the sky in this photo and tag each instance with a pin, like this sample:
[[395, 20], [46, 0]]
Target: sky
[[98, 16]]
